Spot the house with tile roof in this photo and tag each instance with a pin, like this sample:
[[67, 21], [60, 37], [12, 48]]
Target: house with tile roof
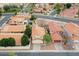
[[55, 31], [16, 36], [74, 31], [14, 28], [71, 12], [37, 36], [20, 19], [42, 8]]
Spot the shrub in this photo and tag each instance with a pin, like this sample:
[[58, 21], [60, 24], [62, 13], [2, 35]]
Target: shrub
[[0, 12], [33, 18], [12, 41], [28, 30], [68, 5], [7, 42], [58, 11], [6, 7], [0, 42], [58, 7], [47, 38], [24, 40], [11, 8]]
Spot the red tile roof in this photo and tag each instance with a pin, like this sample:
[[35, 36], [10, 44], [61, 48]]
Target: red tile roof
[[20, 17], [74, 30], [54, 29], [37, 31], [13, 28], [56, 36], [15, 18]]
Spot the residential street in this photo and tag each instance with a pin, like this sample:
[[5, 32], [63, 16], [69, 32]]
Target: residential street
[[43, 54], [5, 19], [58, 18]]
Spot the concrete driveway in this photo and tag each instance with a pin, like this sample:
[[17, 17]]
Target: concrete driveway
[[76, 46], [36, 46], [58, 46]]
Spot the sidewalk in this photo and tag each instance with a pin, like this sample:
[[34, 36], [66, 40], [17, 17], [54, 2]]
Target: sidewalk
[[25, 50]]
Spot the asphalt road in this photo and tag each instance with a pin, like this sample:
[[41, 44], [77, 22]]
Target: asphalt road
[[63, 19], [7, 14], [43, 54], [6, 18]]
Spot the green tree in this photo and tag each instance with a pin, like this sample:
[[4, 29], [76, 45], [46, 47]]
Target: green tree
[[28, 30], [15, 13], [11, 8], [58, 11], [21, 6], [24, 40], [68, 5], [4, 42], [33, 18], [0, 12], [11, 41], [0, 42], [7, 42], [47, 38], [59, 7], [6, 7]]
